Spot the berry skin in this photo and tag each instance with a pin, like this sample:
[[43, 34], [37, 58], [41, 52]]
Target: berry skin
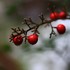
[[62, 15], [54, 15], [32, 39], [17, 40], [61, 29]]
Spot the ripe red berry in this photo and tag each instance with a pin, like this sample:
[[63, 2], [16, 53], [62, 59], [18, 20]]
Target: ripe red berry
[[17, 40], [61, 29], [62, 15], [32, 39], [54, 15]]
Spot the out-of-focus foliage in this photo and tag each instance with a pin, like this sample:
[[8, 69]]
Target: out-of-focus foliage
[[11, 10], [5, 48], [21, 8], [49, 43], [26, 47]]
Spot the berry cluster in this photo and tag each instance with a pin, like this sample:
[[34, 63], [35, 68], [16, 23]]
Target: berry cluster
[[56, 15], [17, 37]]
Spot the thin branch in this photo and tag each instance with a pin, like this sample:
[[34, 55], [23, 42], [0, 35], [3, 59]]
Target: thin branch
[[52, 32], [25, 21], [34, 28], [42, 18]]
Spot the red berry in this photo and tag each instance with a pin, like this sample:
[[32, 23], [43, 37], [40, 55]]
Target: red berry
[[54, 15], [18, 40], [32, 39], [61, 29], [62, 15]]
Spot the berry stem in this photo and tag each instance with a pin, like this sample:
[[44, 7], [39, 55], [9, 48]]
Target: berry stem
[[52, 32]]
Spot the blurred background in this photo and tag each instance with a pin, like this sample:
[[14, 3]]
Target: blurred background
[[47, 54]]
